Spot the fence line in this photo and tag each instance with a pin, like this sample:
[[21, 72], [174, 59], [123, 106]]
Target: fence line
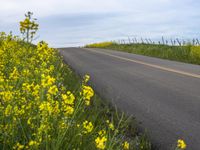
[[163, 41]]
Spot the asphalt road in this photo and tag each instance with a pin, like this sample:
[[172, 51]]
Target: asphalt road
[[163, 95]]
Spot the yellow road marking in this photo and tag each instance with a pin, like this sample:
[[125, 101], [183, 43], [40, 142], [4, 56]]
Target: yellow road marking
[[148, 64]]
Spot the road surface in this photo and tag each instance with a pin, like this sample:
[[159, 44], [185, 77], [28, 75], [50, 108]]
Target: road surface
[[163, 96]]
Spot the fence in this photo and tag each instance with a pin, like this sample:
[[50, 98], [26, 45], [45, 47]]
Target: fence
[[163, 41]]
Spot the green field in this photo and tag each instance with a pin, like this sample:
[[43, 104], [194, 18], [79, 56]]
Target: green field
[[187, 54]]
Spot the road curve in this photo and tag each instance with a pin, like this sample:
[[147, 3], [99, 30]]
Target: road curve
[[163, 95]]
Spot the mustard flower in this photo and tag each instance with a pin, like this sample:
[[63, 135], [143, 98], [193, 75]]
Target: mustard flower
[[87, 93], [101, 142], [53, 90], [8, 110], [86, 78], [181, 144], [15, 74], [88, 126], [18, 146], [68, 110], [7, 95], [102, 133], [110, 125], [33, 143], [68, 98], [125, 145]]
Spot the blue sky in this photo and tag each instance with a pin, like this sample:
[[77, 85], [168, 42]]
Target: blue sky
[[78, 22]]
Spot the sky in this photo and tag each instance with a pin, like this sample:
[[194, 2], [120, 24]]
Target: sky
[[65, 23]]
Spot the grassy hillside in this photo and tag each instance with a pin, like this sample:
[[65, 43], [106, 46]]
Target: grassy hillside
[[44, 105], [187, 54]]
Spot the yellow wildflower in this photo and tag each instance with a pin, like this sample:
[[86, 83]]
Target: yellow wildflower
[[69, 110], [18, 111], [26, 72], [15, 74], [36, 89], [33, 143], [111, 126], [102, 133], [88, 126], [29, 121], [126, 145], [18, 146], [51, 68], [181, 144], [87, 93], [68, 98], [50, 80], [47, 81], [101, 142], [46, 107], [1, 78], [86, 78], [27, 87], [53, 90], [62, 125], [8, 110], [6, 95], [56, 108]]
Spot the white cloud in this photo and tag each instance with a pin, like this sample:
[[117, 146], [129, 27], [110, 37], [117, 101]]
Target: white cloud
[[14, 9], [82, 21]]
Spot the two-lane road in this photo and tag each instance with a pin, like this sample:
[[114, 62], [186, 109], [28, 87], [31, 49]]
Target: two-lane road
[[163, 95]]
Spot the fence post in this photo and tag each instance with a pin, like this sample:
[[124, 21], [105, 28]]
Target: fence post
[[142, 40], [198, 42], [136, 40], [178, 41], [163, 40]]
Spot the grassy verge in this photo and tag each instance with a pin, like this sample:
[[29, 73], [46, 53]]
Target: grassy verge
[[44, 105], [187, 54]]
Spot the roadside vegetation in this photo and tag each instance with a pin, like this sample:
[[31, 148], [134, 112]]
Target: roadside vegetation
[[44, 105], [187, 54]]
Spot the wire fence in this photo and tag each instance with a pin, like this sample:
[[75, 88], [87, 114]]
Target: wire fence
[[163, 41]]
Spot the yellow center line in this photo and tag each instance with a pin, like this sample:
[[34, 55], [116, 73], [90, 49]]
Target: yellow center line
[[148, 64]]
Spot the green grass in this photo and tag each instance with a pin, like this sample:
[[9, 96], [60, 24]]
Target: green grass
[[187, 54]]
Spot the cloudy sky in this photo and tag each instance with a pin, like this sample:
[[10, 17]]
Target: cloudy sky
[[77, 22]]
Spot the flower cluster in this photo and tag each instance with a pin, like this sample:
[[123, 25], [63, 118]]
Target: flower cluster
[[34, 101], [88, 127], [126, 145], [44, 106], [87, 92], [181, 145], [101, 140]]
